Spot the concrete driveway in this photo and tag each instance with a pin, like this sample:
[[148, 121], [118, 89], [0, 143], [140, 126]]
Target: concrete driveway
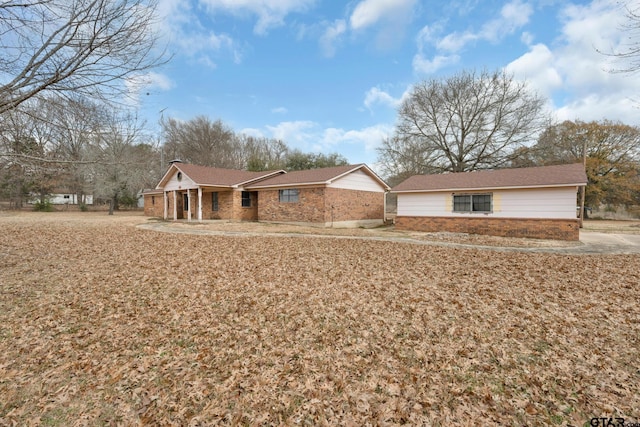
[[606, 243], [591, 242]]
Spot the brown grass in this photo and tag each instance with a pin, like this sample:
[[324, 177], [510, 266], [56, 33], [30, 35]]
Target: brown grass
[[105, 324]]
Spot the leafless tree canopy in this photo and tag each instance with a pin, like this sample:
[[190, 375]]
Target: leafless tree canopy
[[79, 46], [465, 122], [627, 55]]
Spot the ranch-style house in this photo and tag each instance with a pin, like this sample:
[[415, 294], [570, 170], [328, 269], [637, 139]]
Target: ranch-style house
[[535, 202], [340, 196]]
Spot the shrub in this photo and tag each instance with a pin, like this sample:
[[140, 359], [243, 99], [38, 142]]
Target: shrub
[[43, 206]]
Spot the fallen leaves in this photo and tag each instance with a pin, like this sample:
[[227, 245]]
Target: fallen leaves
[[105, 324]]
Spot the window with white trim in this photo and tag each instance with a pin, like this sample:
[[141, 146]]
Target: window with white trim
[[289, 195], [472, 203]]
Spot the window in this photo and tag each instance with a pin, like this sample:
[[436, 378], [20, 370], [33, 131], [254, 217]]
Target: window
[[153, 200], [472, 203], [179, 176], [214, 201], [246, 199], [186, 201], [289, 195]]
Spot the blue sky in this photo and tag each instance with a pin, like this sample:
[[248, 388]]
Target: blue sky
[[328, 76]]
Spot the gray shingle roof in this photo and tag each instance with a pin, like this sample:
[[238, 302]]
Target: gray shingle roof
[[542, 176]]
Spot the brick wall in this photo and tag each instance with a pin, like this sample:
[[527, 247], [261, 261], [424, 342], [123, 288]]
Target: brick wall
[[310, 206], [353, 205], [558, 229], [322, 205], [153, 205], [241, 213], [225, 206]]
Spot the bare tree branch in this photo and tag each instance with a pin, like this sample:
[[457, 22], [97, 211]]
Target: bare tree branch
[[79, 46], [465, 122]]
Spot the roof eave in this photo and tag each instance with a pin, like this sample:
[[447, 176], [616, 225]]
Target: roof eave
[[266, 176], [289, 184], [518, 187]]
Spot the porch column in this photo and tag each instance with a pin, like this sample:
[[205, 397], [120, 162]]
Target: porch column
[[175, 205], [165, 200], [199, 203], [189, 204]]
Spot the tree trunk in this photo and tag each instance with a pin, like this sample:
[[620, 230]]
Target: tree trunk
[[112, 202]]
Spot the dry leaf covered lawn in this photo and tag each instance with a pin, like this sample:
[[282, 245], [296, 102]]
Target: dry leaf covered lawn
[[105, 324]]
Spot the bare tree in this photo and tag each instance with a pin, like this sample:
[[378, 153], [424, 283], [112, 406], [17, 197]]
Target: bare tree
[[202, 141], [627, 55], [122, 163], [27, 153], [262, 153], [465, 122], [74, 46]]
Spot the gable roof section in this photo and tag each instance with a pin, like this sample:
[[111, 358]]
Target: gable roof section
[[218, 177], [541, 176], [321, 176]]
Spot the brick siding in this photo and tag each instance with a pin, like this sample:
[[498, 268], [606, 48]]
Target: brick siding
[[316, 205], [353, 205], [153, 205], [322, 205], [557, 229]]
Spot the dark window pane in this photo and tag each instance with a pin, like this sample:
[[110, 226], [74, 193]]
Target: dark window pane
[[289, 195], [214, 201], [482, 203], [246, 199], [462, 203]]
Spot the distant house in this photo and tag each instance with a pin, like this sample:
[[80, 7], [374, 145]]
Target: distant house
[[537, 202], [60, 197], [339, 196]]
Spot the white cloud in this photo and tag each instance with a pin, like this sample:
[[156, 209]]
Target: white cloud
[[358, 145], [270, 13], [331, 36], [256, 133], [575, 75], [538, 68], [422, 65], [279, 110], [369, 137], [186, 35], [512, 16], [377, 96], [144, 83], [391, 17], [454, 42], [370, 12], [299, 134], [207, 62]]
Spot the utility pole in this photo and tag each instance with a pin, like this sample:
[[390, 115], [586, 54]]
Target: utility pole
[[583, 189]]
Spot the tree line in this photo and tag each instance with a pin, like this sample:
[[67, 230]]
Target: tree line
[[68, 67], [74, 145]]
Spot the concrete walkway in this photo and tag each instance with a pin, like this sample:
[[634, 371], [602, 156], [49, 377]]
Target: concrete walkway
[[590, 242]]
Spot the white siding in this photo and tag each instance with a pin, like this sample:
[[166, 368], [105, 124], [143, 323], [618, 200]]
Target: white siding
[[357, 180], [70, 199], [174, 184], [533, 203]]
